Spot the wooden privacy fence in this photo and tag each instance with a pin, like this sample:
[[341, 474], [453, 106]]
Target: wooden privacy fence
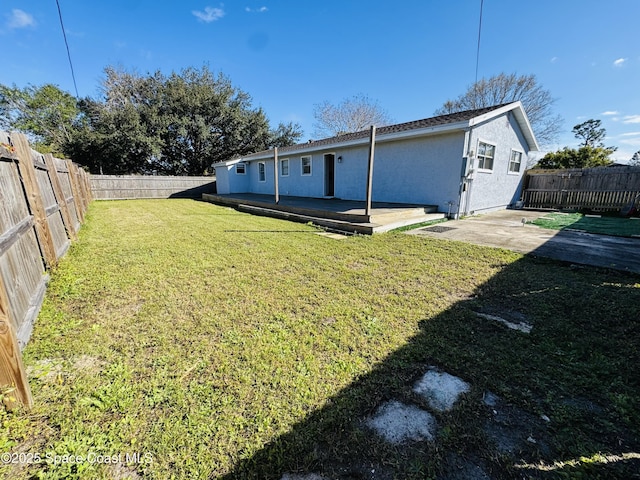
[[118, 187], [601, 189], [42, 204]]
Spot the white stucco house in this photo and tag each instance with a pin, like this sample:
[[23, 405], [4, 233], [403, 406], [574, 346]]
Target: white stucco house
[[465, 163]]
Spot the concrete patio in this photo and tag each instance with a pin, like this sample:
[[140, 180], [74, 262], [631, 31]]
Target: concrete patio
[[331, 213], [505, 229]]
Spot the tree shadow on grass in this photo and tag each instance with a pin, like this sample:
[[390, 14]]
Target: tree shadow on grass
[[561, 400]]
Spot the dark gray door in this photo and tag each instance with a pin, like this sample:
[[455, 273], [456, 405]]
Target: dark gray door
[[329, 174]]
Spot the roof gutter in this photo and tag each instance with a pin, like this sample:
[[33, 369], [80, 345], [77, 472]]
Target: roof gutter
[[380, 138]]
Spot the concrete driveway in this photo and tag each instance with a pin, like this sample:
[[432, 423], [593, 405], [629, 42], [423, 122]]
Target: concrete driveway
[[504, 229]]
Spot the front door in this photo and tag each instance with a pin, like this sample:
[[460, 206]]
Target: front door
[[329, 174]]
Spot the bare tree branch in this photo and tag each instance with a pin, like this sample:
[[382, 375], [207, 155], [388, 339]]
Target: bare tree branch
[[351, 115], [503, 88]]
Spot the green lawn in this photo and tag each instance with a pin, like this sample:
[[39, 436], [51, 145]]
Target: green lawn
[[222, 345], [618, 226]]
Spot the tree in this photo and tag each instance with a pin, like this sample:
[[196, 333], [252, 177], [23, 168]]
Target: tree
[[584, 157], [44, 113], [176, 124], [112, 141], [590, 133], [351, 115], [503, 88], [202, 119], [635, 159], [285, 135], [592, 152]]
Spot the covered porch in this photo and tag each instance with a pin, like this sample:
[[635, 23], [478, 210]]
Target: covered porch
[[334, 214]]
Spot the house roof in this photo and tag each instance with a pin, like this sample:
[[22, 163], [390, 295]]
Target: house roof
[[439, 124]]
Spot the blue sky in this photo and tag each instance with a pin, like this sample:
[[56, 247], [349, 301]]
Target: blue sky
[[409, 55]]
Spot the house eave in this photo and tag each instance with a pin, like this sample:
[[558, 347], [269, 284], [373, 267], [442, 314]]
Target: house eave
[[363, 138], [384, 138], [228, 163]]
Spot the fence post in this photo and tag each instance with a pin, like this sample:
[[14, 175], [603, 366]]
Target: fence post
[[34, 197], [12, 372], [83, 187], [75, 188], [87, 186], [57, 190]]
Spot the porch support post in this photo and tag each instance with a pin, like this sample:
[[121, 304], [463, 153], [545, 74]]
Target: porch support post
[[372, 141], [275, 173]]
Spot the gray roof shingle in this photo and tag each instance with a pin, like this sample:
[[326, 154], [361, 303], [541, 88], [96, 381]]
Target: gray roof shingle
[[400, 127]]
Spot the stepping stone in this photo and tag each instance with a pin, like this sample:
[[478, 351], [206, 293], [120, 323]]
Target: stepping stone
[[440, 389], [396, 423], [520, 326]]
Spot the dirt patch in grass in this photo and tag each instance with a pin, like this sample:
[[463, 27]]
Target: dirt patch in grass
[[221, 345]]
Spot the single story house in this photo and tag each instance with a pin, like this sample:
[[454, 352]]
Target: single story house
[[465, 163]]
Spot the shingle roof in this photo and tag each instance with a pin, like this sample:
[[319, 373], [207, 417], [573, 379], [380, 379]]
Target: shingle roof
[[440, 120]]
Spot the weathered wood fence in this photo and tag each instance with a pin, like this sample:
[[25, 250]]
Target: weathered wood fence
[[599, 189], [118, 187], [42, 204]]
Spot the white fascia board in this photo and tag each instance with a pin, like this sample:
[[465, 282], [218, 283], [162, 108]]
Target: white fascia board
[[521, 118], [494, 113], [227, 163], [388, 137], [527, 131]]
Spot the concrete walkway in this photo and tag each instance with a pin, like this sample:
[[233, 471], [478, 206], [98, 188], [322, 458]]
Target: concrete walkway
[[504, 229]]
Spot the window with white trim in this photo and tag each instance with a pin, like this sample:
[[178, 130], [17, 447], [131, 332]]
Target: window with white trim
[[485, 156], [515, 161], [305, 162], [240, 169], [284, 167], [261, 172]]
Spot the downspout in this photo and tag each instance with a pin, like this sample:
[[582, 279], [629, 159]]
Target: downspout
[[466, 173]]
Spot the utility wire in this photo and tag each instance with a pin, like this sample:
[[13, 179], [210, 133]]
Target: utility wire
[[479, 32], [64, 34]]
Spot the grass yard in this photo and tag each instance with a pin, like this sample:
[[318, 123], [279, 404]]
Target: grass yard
[[216, 344], [608, 225]]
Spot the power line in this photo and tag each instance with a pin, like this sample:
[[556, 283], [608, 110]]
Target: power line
[[479, 32], [64, 34]]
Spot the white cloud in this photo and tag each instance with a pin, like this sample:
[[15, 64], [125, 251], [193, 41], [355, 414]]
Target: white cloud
[[20, 19], [610, 112], [619, 62], [209, 15], [631, 119], [634, 142], [554, 59], [630, 134], [256, 10]]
